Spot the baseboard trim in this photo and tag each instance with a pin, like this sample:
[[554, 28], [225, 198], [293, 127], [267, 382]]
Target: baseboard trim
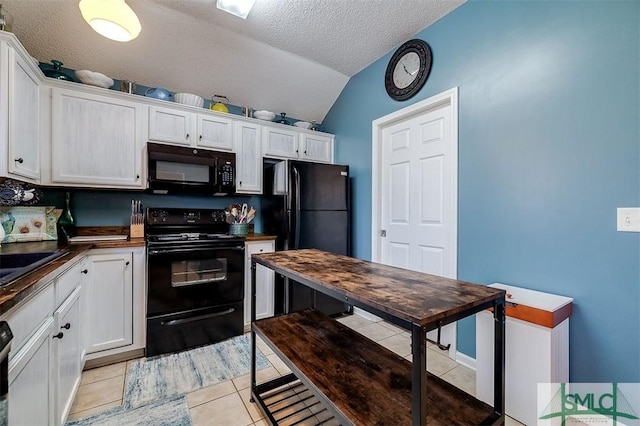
[[466, 360], [365, 314]]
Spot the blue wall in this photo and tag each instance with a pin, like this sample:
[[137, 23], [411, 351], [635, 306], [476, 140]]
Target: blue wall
[[549, 147], [113, 208]]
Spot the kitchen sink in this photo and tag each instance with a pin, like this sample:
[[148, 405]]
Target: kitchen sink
[[15, 265]]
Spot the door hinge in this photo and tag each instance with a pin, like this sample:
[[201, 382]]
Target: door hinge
[[383, 233]]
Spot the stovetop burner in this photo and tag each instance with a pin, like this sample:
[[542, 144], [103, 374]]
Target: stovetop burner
[[176, 225]]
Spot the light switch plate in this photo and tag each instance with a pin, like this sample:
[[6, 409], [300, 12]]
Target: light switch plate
[[629, 219]]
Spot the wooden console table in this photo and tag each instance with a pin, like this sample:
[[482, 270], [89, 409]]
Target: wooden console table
[[357, 380]]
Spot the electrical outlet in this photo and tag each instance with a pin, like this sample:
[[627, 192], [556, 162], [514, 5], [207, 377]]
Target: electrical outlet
[[629, 219]]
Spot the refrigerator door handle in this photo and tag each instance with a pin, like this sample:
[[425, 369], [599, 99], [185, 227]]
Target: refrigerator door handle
[[296, 176]]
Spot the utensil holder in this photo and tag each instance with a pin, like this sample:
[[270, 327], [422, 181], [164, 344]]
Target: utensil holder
[[239, 229], [136, 230]]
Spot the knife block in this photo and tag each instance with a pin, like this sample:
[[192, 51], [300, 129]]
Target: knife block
[[136, 231]]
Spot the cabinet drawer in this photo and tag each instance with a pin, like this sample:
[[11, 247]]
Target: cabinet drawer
[[68, 281], [259, 247], [24, 321]]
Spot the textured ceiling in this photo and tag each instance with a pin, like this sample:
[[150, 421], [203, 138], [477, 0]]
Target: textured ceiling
[[288, 55]]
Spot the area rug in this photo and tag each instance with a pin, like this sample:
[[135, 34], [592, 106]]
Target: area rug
[[164, 376], [170, 412]]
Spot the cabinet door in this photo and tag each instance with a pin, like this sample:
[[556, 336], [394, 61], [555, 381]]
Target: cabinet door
[[96, 140], [215, 132], [278, 142], [109, 308], [24, 110], [68, 354], [171, 125], [264, 283], [30, 396], [316, 148], [248, 158]]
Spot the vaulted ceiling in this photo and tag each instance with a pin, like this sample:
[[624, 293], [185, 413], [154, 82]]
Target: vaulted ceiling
[[289, 55]]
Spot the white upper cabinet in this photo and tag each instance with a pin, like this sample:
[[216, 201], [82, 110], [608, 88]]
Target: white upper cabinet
[[248, 158], [281, 142], [316, 147], [19, 114], [175, 125], [96, 141], [171, 125], [215, 132]]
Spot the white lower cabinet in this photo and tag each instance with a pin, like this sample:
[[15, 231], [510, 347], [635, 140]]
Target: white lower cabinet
[[67, 340], [110, 297], [265, 279], [114, 307], [30, 393]]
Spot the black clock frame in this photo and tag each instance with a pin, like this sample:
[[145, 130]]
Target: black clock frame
[[422, 49]]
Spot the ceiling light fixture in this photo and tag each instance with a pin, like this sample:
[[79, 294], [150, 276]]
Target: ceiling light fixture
[[240, 8], [113, 19]]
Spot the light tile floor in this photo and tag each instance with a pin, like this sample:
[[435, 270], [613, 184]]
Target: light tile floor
[[227, 403]]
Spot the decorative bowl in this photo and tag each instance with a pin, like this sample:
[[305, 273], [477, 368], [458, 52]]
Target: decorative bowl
[[94, 78], [302, 124], [189, 99], [158, 93], [264, 115]]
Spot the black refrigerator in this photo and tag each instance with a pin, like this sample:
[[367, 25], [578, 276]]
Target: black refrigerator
[[307, 205]]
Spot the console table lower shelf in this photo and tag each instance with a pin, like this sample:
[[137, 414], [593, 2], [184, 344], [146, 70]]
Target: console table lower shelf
[[357, 381]]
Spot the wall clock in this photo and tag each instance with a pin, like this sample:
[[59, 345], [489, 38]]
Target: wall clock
[[408, 70]]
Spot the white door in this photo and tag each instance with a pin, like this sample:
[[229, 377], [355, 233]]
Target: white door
[[417, 193]]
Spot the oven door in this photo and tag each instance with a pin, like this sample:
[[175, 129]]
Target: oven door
[[191, 276]]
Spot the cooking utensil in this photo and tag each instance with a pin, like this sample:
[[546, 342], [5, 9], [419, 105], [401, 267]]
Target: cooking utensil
[[243, 212], [229, 218]]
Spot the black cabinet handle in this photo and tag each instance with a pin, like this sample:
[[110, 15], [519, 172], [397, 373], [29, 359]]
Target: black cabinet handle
[[200, 137], [127, 263], [19, 160], [84, 271], [59, 335], [66, 326], [305, 152], [137, 176], [187, 135]]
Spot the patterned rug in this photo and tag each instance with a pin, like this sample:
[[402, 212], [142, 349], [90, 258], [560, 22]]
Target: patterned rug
[[165, 376], [171, 412]]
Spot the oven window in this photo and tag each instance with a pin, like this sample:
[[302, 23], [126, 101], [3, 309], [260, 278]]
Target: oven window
[[194, 272], [182, 172]]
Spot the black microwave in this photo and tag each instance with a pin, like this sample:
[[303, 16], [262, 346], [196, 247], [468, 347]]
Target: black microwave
[[187, 170]]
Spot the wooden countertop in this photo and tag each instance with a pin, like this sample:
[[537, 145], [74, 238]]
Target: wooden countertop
[[415, 297], [259, 237], [21, 289]]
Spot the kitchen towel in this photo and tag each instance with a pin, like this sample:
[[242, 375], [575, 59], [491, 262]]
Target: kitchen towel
[[171, 412], [164, 376]]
